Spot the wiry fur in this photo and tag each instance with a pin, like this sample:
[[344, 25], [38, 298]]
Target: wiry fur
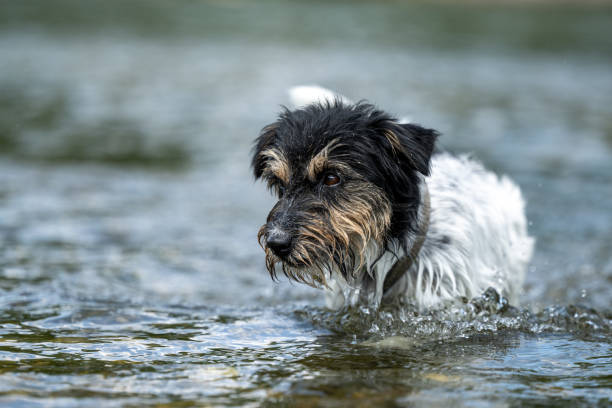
[[346, 237]]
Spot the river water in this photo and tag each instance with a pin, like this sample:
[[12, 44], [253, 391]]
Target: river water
[[130, 274]]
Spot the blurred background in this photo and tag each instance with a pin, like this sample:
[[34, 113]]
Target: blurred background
[[126, 127]]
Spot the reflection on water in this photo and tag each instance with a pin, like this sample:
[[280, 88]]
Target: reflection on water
[[129, 269]]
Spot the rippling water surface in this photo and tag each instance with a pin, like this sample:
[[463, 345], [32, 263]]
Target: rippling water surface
[[130, 274]]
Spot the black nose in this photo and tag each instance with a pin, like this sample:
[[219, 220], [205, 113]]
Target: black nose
[[279, 242]]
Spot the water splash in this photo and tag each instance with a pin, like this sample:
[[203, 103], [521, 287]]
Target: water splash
[[489, 313]]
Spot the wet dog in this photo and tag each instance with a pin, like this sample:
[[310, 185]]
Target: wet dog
[[367, 211]]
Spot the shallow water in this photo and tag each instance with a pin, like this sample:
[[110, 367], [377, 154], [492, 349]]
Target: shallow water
[[129, 270]]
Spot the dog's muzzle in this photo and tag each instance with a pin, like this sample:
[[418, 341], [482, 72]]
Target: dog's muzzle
[[280, 242]]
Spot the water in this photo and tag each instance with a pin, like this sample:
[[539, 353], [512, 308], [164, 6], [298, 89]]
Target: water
[[130, 274]]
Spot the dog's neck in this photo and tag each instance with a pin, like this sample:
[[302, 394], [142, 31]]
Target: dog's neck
[[403, 264], [381, 277]]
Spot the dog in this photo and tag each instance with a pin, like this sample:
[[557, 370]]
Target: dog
[[367, 211]]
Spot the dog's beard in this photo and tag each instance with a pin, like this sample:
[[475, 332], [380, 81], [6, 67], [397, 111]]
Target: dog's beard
[[313, 253], [311, 264], [343, 241]]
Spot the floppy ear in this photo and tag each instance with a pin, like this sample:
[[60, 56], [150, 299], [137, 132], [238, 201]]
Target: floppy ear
[[403, 151], [264, 141], [412, 144]]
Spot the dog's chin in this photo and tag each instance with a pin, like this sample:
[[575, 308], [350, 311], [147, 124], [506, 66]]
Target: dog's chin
[[296, 268], [294, 262], [313, 267]]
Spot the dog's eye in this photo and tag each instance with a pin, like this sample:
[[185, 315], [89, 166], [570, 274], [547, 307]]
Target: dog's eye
[[331, 179], [281, 190]]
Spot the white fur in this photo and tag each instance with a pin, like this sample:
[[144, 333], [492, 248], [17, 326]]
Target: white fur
[[477, 238], [307, 94]]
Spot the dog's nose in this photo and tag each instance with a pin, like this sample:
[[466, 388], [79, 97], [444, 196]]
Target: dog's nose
[[279, 242]]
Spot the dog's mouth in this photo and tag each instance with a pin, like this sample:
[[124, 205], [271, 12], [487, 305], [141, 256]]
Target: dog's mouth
[[295, 267], [289, 260], [295, 257], [301, 262], [314, 252], [288, 249]]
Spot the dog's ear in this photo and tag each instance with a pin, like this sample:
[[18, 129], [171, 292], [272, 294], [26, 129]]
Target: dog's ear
[[410, 143], [265, 140]]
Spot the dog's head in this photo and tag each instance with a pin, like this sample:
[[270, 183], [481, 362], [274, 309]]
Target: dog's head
[[346, 178]]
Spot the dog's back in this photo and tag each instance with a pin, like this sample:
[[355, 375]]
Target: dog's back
[[477, 234]]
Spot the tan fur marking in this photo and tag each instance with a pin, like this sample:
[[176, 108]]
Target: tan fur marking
[[276, 164], [355, 223], [393, 140], [319, 161], [260, 235]]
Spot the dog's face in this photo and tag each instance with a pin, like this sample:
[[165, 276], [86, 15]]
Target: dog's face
[[346, 181]]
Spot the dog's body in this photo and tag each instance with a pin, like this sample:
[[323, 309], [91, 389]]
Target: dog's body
[[358, 199], [476, 239]]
